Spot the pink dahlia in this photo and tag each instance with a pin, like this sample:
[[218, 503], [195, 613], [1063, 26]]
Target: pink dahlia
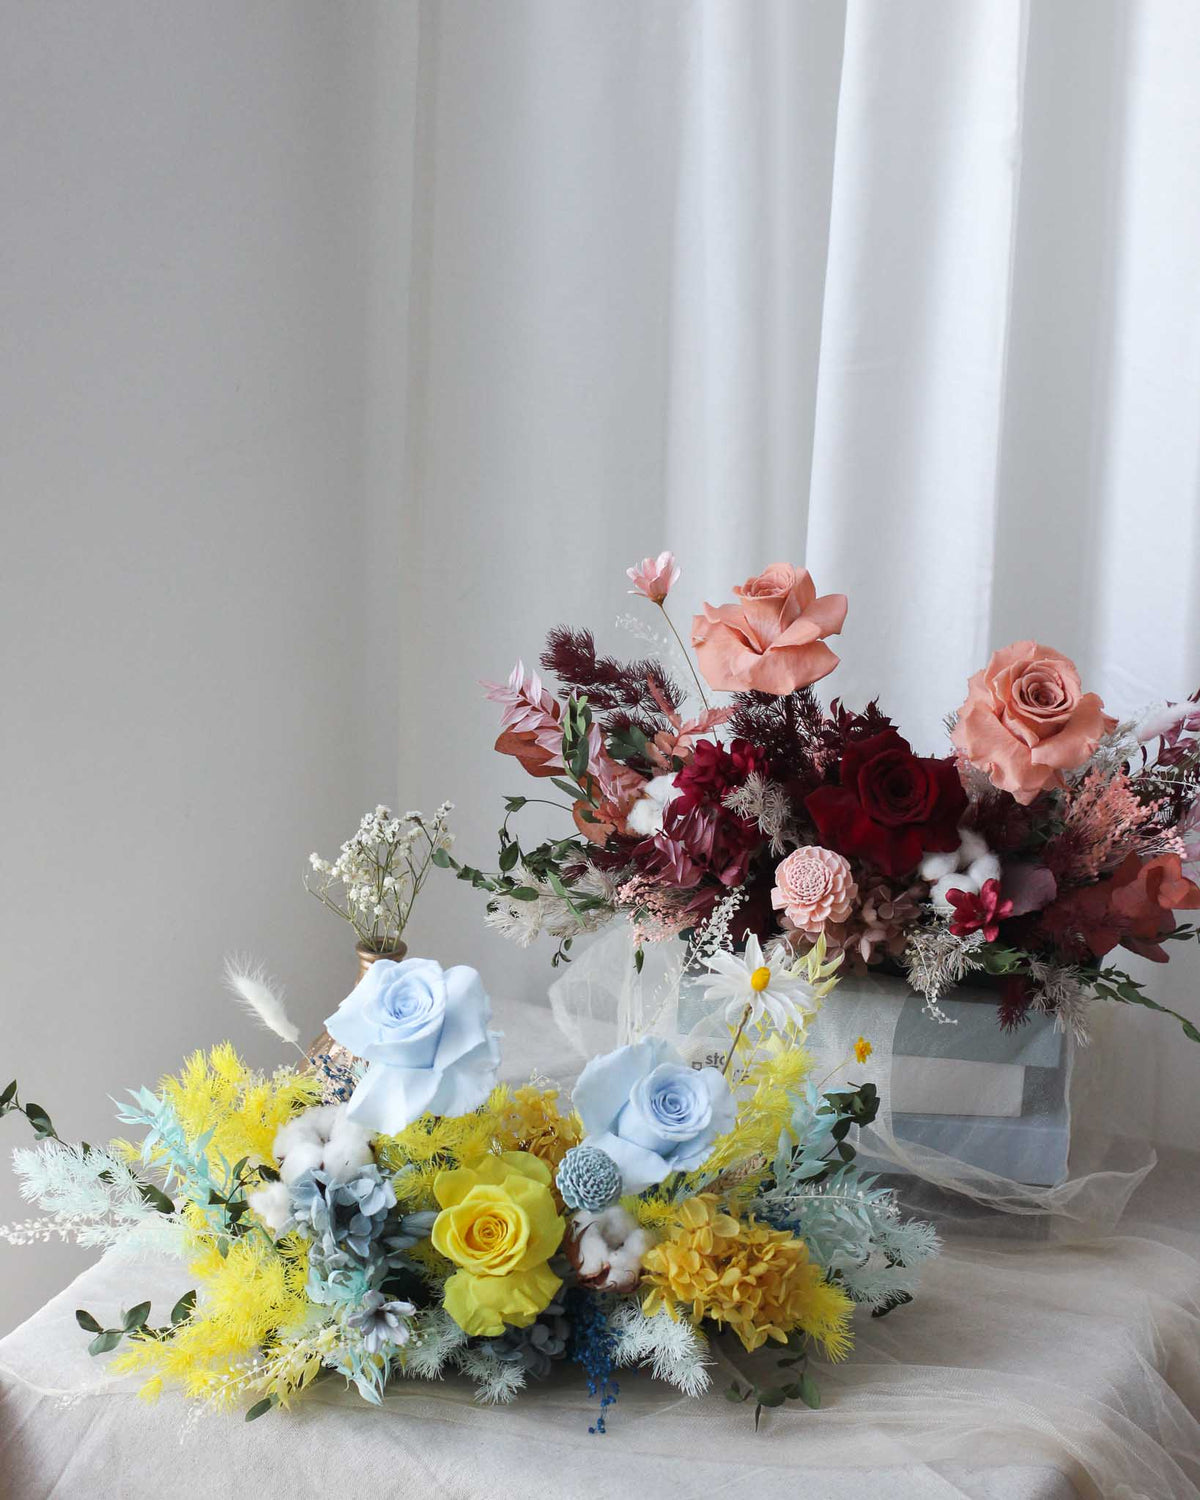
[[814, 886]]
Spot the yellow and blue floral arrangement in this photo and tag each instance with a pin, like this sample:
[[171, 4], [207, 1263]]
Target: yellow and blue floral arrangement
[[389, 1211]]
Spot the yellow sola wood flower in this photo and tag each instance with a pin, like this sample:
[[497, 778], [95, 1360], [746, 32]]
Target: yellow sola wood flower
[[745, 1276], [862, 1050], [499, 1224]]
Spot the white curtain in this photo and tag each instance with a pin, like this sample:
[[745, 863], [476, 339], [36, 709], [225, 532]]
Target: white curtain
[[905, 292]]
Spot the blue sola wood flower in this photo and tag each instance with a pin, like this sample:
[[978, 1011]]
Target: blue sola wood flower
[[588, 1178]]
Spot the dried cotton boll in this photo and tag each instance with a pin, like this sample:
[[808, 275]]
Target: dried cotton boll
[[300, 1146], [935, 866], [606, 1249], [986, 867], [322, 1139], [272, 1204], [347, 1149], [937, 893], [967, 868], [973, 847]]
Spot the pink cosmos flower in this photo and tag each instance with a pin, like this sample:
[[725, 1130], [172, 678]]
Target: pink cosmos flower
[[656, 577], [814, 886], [772, 639]]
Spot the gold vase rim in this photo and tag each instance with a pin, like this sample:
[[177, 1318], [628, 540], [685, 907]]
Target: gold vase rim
[[371, 954]]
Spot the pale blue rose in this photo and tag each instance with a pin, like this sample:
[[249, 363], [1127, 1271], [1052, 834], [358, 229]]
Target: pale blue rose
[[650, 1112], [424, 1031]]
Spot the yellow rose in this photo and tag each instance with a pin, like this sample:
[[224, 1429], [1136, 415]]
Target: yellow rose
[[499, 1223]]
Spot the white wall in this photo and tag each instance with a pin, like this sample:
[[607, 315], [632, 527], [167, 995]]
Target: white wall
[[196, 587]]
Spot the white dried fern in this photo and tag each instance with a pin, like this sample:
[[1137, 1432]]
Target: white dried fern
[[674, 1350], [93, 1198]]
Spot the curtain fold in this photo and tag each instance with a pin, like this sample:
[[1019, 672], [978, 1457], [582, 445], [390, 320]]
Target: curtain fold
[[903, 292]]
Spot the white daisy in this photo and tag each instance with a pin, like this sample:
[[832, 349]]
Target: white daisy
[[768, 987]]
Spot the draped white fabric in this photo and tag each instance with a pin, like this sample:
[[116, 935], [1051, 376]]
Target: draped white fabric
[[905, 292]]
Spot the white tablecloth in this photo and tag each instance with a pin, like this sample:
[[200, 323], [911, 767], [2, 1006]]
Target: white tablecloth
[[1024, 1371]]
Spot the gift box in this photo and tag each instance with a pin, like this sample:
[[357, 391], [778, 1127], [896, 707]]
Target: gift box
[[995, 1099], [956, 1082]]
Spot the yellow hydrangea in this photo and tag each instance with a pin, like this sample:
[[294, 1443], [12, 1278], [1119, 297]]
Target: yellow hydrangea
[[530, 1120], [499, 1224], [745, 1276]]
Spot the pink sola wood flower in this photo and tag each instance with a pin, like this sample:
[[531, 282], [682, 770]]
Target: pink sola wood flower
[[656, 577], [814, 886], [979, 911]]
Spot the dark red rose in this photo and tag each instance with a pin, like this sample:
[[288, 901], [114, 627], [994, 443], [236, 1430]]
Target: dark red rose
[[714, 770], [891, 806]]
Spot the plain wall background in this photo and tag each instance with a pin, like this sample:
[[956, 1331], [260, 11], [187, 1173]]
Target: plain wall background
[[199, 538], [228, 627]]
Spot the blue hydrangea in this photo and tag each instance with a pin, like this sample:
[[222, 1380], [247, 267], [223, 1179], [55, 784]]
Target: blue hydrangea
[[588, 1178], [343, 1217]]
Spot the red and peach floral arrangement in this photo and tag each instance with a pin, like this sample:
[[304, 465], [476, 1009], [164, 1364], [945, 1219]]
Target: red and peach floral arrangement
[[1050, 836]]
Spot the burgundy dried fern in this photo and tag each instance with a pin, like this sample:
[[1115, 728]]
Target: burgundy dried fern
[[619, 689]]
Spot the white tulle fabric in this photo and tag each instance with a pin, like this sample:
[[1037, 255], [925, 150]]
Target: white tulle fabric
[[603, 1001], [1065, 1334]]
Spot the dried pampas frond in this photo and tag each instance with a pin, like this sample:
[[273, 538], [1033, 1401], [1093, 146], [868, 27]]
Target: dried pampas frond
[[261, 999]]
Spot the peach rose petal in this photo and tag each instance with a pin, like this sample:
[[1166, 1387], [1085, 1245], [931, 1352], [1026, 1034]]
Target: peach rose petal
[[771, 639], [1025, 720]]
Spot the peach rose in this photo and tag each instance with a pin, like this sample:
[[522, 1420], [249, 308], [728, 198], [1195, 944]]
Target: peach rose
[[814, 886], [772, 639], [1026, 721]]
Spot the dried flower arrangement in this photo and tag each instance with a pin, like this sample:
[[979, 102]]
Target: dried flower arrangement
[[1050, 835]]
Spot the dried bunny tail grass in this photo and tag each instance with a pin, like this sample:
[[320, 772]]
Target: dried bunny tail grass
[[263, 1000]]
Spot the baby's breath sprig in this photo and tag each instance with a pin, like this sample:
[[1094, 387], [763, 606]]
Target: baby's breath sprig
[[379, 872]]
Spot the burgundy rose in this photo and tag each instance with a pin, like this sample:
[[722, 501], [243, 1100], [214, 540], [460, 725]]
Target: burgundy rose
[[714, 770], [891, 806]]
